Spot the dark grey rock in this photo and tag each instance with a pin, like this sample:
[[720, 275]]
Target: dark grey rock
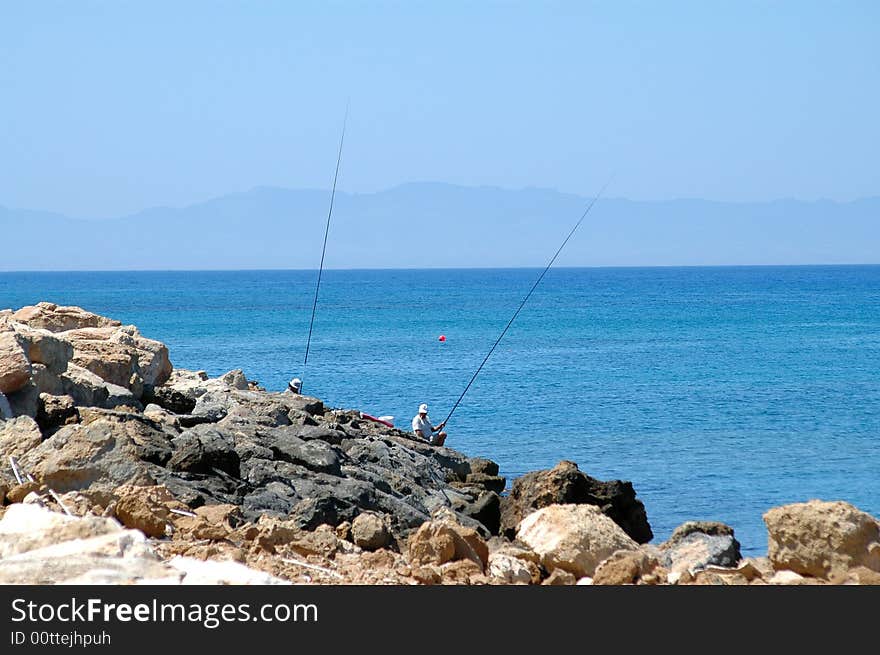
[[565, 484]]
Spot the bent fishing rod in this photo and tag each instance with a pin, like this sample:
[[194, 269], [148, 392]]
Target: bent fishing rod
[[324, 248], [525, 300]]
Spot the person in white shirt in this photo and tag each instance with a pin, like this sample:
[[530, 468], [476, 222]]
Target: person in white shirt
[[295, 385], [422, 427]]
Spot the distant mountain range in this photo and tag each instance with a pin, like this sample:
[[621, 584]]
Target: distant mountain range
[[428, 225]]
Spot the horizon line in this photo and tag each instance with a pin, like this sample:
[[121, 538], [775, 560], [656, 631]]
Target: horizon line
[[432, 268]]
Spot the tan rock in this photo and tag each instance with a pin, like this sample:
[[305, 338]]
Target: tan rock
[[369, 531], [54, 318], [560, 577], [574, 538], [462, 571], [821, 539], [433, 543], [343, 531], [45, 348], [858, 576], [18, 436], [715, 577], [626, 567], [442, 540], [144, 508], [19, 492], [426, 575], [15, 369]]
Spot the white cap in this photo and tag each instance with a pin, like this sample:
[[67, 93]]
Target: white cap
[[423, 409]]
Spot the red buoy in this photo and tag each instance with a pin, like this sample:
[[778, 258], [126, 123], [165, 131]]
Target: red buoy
[[442, 337]]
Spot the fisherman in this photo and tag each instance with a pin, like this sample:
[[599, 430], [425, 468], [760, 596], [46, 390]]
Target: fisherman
[[422, 427], [295, 385]]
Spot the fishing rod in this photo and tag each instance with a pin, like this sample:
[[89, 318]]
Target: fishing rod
[[324, 248], [523, 303]]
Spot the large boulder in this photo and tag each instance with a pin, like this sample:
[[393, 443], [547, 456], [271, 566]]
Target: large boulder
[[120, 355], [90, 390], [565, 484], [822, 539], [51, 317], [44, 347], [15, 369], [574, 538], [103, 452]]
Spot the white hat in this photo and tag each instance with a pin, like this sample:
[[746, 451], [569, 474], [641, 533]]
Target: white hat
[[423, 409]]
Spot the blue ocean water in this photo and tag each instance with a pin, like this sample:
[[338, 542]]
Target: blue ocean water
[[719, 392]]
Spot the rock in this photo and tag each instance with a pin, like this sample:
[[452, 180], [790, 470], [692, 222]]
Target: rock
[[203, 449], [509, 569], [106, 359], [822, 539], [27, 527], [25, 401], [51, 317], [462, 571], [225, 514], [235, 379], [19, 492], [198, 572], [43, 347], [101, 454], [719, 577], [565, 484], [697, 544], [441, 541], [786, 578], [306, 404], [46, 382], [482, 466], [628, 567], [38, 546], [56, 411], [317, 456], [343, 531], [171, 399], [277, 536], [560, 577], [369, 531], [18, 436], [144, 508], [15, 369], [574, 538], [489, 482], [486, 509], [859, 576], [90, 390]]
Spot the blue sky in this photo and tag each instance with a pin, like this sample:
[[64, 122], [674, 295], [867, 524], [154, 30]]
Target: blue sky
[[111, 107]]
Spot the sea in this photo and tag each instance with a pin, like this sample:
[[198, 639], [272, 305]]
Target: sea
[[719, 392]]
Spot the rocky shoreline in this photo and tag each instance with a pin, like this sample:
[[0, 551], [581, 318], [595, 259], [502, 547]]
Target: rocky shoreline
[[119, 469]]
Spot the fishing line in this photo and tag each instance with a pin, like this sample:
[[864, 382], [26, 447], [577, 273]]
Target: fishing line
[[324, 248], [528, 295]]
